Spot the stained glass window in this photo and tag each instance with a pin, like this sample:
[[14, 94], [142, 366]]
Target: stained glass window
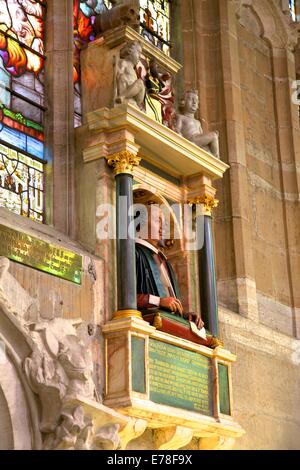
[[155, 22], [22, 106], [294, 5], [84, 13]]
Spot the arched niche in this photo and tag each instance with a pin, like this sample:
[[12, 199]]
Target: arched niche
[[16, 427], [183, 261]]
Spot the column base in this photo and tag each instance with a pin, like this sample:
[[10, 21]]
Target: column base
[[127, 314]]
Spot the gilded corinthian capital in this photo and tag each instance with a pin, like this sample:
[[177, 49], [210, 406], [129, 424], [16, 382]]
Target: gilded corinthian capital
[[208, 202], [123, 162]]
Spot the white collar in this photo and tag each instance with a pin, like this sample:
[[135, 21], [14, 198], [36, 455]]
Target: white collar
[[140, 241]]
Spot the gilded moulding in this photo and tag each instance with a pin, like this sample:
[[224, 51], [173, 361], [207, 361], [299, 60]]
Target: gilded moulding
[[123, 162], [127, 314]]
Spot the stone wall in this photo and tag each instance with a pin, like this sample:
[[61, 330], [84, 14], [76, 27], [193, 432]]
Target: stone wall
[[240, 55], [265, 384]]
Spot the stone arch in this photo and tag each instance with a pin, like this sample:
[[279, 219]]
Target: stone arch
[[275, 24], [17, 402], [17, 431], [6, 430]]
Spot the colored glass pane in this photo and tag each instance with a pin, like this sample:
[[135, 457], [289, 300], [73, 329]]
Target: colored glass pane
[[155, 23], [84, 13], [293, 9], [21, 183], [22, 105]]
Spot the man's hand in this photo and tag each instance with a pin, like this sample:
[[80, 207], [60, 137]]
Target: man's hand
[[172, 304], [194, 318]]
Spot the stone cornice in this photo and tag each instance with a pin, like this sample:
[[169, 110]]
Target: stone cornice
[[160, 145]]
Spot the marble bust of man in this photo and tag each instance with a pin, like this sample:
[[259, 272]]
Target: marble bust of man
[[191, 128], [156, 280], [129, 88]]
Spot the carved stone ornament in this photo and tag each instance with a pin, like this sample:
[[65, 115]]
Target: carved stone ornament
[[59, 369], [128, 87], [191, 128], [124, 13], [60, 372]]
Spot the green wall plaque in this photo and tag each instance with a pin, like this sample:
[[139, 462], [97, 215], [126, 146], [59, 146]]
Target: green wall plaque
[[38, 254], [138, 364], [180, 378], [224, 389]]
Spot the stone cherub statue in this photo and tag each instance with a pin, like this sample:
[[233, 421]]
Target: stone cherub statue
[[191, 128], [128, 87]]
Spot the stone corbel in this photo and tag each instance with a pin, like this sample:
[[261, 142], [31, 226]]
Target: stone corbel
[[216, 443], [134, 429], [172, 438], [203, 194]]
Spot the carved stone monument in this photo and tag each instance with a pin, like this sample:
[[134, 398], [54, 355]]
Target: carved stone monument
[[190, 127]]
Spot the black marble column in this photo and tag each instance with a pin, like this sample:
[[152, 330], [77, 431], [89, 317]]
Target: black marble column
[[125, 244], [208, 284]]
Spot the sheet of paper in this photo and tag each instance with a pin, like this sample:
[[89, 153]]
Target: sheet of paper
[[201, 333]]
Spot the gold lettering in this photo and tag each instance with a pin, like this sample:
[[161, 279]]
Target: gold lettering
[[181, 375], [38, 254]]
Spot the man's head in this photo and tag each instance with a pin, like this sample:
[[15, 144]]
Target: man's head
[[191, 101], [151, 220], [132, 52]]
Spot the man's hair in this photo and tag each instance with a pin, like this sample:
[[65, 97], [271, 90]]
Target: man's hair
[[191, 92], [184, 96], [126, 50]]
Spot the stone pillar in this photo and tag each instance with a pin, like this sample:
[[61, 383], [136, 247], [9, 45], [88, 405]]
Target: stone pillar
[[288, 144], [123, 164], [241, 206], [207, 270]]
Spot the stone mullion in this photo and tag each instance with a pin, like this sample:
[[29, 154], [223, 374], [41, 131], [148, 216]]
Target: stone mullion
[[59, 129]]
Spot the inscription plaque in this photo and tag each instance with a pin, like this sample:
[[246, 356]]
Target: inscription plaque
[[180, 378], [38, 254]]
